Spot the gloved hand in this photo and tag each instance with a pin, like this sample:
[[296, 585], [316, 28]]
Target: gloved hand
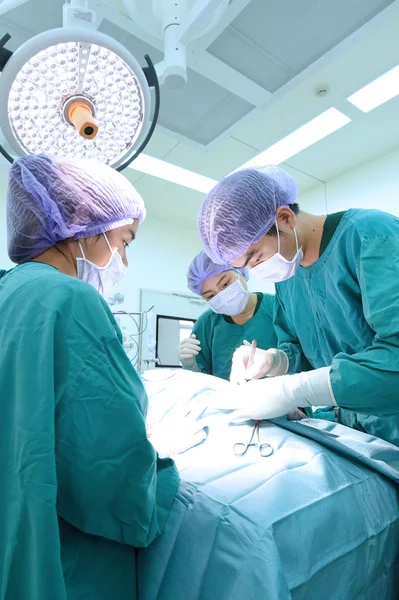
[[180, 429], [278, 396], [267, 363], [187, 351]]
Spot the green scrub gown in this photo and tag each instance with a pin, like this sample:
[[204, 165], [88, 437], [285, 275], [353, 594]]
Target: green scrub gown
[[80, 484], [220, 336], [343, 311]]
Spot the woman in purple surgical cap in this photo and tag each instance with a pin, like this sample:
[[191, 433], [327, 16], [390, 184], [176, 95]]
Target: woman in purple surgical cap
[[81, 484]]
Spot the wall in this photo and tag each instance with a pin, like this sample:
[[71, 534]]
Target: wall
[[373, 185], [158, 260]]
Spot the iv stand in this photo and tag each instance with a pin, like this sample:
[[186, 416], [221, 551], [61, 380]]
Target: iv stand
[[140, 325]]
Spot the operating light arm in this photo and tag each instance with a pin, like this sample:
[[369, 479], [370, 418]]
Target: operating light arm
[[78, 14], [202, 17], [179, 22]]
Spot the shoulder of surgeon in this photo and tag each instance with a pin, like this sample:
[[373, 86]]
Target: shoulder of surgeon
[[372, 223], [42, 286], [208, 316], [267, 302], [206, 322]]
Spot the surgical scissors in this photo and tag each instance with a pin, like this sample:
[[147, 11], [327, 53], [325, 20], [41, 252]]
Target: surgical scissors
[[265, 449]]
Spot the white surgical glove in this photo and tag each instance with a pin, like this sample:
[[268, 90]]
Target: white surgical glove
[[267, 363], [187, 351], [278, 396], [180, 430]]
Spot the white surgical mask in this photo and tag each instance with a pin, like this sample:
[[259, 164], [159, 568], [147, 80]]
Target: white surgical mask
[[230, 301], [277, 268], [105, 278]]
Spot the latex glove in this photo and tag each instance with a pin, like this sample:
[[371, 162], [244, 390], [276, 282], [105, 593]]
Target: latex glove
[[181, 429], [278, 396], [296, 415], [187, 351], [267, 363]]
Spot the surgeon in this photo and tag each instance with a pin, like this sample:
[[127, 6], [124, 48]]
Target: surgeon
[[235, 315], [81, 485], [337, 299]]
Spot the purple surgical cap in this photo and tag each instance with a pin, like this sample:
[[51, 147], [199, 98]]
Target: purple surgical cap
[[241, 209], [202, 268], [51, 199]]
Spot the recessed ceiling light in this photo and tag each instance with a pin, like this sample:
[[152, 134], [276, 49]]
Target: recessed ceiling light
[[378, 91], [307, 135], [165, 170]]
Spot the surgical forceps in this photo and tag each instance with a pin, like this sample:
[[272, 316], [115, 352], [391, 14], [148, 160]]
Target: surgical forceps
[[240, 448], [265, 449]]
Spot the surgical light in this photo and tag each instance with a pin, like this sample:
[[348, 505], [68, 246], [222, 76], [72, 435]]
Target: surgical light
[[75, 92]]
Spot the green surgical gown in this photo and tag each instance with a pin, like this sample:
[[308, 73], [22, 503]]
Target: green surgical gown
[[343, 311], [220, 336], [80, 484]]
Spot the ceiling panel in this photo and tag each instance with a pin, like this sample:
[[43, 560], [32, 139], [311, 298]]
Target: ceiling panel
[[272, 40], [268, 42], [135, 46], [35, 16], [304, 179], [215, 163], [161, 143], [365, 139], [347, 72], [170, 202], [249, 59], [202, 110]]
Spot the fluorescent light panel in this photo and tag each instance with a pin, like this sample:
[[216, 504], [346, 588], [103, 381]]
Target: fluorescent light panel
[[378, 91], [164, 170], [307, 135]]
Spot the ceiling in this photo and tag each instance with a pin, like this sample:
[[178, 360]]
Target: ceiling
[[251, 81]]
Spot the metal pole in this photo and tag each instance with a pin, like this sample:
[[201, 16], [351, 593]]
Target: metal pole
[[140, 349]]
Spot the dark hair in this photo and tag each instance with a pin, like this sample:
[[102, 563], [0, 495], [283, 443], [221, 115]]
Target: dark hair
[[295, 209]]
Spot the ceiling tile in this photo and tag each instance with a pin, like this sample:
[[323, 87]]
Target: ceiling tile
[[271, 41], [215, 163]]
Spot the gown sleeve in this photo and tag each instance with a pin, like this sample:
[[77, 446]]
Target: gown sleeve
[[111, 483], [287, 340], [368, 381], [203, 331]]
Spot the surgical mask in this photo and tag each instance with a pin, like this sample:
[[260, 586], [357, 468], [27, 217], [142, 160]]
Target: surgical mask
[[105, 278], [277, 268], [230, 301]]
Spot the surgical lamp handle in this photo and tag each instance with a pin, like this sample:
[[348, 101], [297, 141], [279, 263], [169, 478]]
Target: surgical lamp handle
[[152, 79], [5, 54]]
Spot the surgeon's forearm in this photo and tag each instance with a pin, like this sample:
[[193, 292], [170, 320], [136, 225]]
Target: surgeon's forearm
[[367, 382], [297, 361], [312, 388]]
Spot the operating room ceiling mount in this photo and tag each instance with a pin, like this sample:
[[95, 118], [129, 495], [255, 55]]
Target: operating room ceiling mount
[[178, 23]]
